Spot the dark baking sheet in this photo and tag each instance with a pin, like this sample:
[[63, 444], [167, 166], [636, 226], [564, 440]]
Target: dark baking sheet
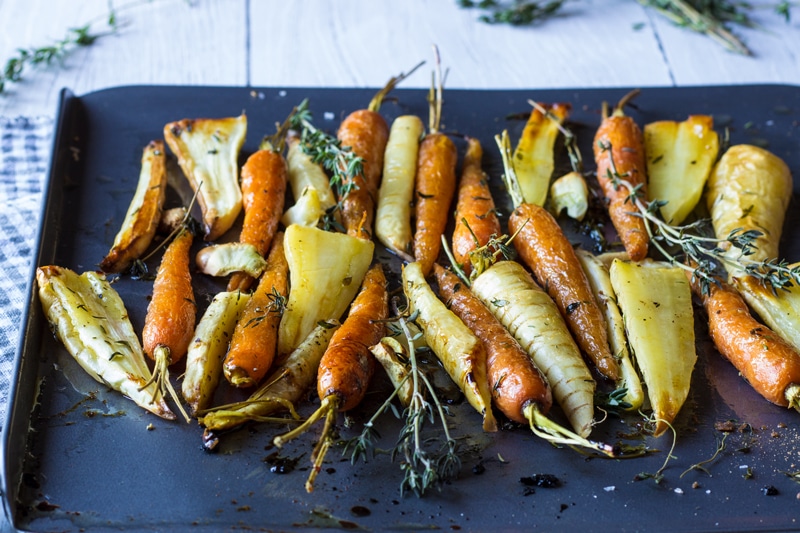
[[79, 461]]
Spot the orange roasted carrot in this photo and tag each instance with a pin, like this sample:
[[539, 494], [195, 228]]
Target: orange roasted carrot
[[476, 218], [366, 132], [263, 184], [347, 364], [545, 249], [171, 314], [515, 382], [619, 154], [767, 362], [255, 337]]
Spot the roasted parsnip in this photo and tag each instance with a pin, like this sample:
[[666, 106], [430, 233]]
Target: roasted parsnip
[[207, 350], [656, 303], [570, 192], [222, 259], [459, 350], [208, 153], [750, 189], [89, 317], [780, 310], [680, 156], [325, 271], [144, 212], [533, 156]]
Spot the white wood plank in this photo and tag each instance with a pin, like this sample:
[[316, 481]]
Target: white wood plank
[[697, 60], [360, 44], [164, 42]]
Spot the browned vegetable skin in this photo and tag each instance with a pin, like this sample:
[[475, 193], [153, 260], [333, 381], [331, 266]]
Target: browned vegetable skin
[[513, 379], [767, 362], [476, 216], [144, 212], [545, 249], [347, 364], [619, 152]]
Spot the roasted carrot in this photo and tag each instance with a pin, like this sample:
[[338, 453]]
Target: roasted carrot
[[545, 249], [767, 362], [513, 379], [255, 337], [476, 217], [347, 364], [366, 132], [263, 186], [619, 154], [171, 314], [530, 315]]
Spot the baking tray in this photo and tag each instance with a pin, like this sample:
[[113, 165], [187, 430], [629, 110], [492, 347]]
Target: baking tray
[[79, 457]]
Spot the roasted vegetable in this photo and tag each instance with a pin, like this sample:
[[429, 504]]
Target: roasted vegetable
[[459, 350], [89, 317], [750, 189], [396, 194], [222, 259], [144, 212], [656, 303], [780, 309], [767, 362], [284, 387], [533, 157], [531, 316], [325, 271], [208, 153], [600, 280], [571, 193], [680, 156], [208, 347]]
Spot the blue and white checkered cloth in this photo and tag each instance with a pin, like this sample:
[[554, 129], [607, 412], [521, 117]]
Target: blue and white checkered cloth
[[24, 157]]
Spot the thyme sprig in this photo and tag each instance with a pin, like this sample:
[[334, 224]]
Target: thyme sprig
[[326, 150], [712, 18], [702, 254], [422, 468], [58, 51]]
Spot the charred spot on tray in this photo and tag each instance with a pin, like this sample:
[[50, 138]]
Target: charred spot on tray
[[769, 490], [46, 506], [281, 465], [544, 481], [479, 468], [360, 511]]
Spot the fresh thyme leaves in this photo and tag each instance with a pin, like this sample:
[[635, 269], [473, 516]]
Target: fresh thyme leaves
[[516, 13], [712, 18], [327, 150], [57, 51], [703, 254], [422, 468]]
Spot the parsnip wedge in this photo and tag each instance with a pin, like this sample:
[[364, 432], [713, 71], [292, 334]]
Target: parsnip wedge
[[534, 161], [208, 153], [600, 280], [207, 350], [89, 317], [780, 310], [656, 303], [680, 156], [222, 259], [750, 188], [144, 212], [325, 272]]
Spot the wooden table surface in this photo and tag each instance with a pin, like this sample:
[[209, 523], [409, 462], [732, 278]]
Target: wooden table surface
[[349, 43]]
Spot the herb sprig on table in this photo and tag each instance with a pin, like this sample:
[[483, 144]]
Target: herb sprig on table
[[57, 51], [710, 17]]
